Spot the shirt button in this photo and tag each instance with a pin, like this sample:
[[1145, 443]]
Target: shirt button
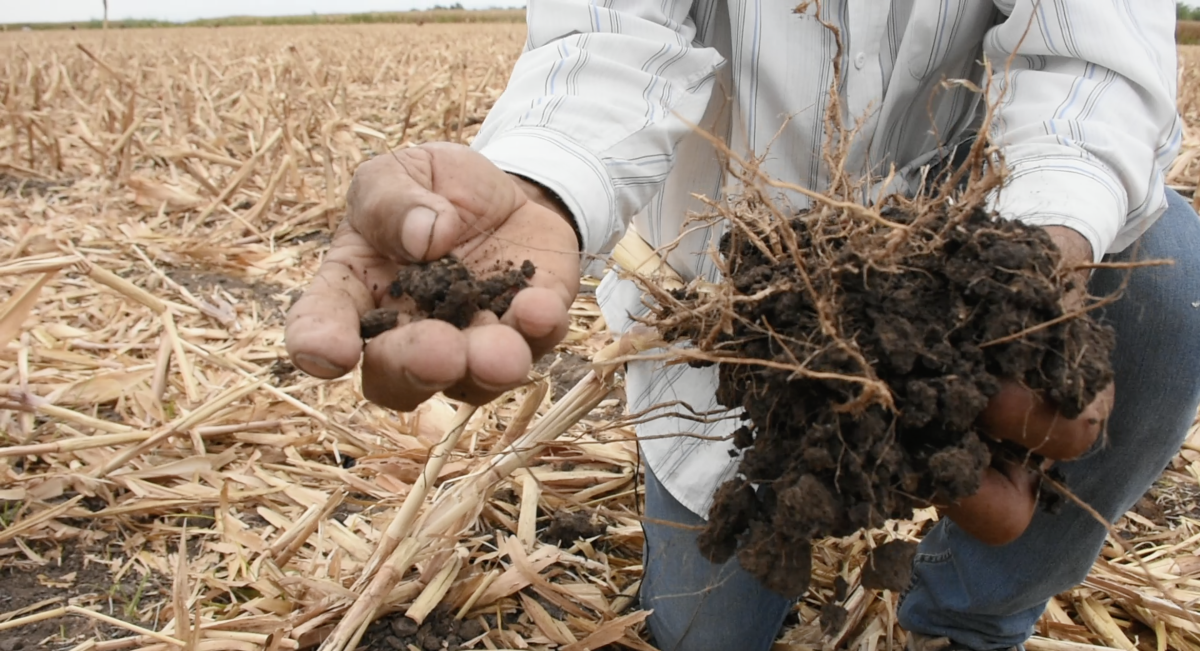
[[860, 60]]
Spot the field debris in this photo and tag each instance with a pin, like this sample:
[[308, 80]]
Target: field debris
[[168, 480]]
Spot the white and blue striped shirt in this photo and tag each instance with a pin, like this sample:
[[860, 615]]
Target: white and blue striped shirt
[[601, 105]]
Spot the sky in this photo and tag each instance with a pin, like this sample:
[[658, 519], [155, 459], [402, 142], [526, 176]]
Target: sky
[[50, 11]]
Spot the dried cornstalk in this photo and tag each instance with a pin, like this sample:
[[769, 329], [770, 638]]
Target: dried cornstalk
[[401, 525], [459, 506]]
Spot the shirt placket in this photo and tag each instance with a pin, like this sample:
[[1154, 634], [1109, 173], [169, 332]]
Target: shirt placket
[[867, 20]]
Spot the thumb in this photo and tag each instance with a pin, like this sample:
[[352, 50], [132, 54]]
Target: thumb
[[418, 204], [407, 224]]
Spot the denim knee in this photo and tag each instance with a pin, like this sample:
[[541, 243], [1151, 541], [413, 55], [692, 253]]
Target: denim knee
[[698, 605]]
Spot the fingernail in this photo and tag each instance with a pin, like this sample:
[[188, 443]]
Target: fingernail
[[310, 363], [417, 234]]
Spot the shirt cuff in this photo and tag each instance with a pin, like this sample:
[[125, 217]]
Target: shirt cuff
[[572, 172], [1067, 192]]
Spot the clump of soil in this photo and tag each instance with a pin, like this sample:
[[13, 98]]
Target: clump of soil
[[439, 631], [376, 322], [889, 567], [862, 352], [567, 527], [446, 289], [833, 618]]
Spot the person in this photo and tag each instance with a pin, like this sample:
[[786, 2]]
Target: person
[[599, 131]]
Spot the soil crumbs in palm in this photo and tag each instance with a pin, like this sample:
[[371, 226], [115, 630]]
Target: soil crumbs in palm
[[819, 460], [447, 290]]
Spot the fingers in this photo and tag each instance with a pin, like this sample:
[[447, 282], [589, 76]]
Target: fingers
[[408, 227], [541, 318], [428, 202], [404, 367], [1000, 511], [1019, 415], [322, 331], [498, 359]]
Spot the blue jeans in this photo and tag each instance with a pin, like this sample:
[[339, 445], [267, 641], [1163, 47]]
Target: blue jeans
[[981, 596]]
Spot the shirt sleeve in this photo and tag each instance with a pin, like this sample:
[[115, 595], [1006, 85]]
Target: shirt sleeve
[[1086, 118], [597, 104]]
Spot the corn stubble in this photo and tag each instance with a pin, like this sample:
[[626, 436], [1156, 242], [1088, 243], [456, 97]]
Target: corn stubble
[[170, 190]]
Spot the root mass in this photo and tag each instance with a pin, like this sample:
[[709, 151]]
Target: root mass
[[862, 353]]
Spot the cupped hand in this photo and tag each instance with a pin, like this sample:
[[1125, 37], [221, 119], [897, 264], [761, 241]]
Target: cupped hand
[[422, 204], [1002, 508]]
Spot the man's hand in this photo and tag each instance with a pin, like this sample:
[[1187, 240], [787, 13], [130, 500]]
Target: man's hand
[[1004, 505], [418, 205]]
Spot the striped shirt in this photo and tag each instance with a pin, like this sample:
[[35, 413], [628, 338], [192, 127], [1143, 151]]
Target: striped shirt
[[602, 105]]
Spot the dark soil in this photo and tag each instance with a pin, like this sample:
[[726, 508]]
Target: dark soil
[[21, 186], [565, 528], [1149, 509], [69, 576], [283, 371], [889, 567], [439, 631], [445, 289], [833, 618], [828, 458], [377, 322], [565, 369], [1169, 501], [204, 283]]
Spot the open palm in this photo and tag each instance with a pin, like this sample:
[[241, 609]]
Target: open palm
[[422, 204]]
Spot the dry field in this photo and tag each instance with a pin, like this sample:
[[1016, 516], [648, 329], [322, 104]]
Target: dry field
[[168, 480], [1186, 172]]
